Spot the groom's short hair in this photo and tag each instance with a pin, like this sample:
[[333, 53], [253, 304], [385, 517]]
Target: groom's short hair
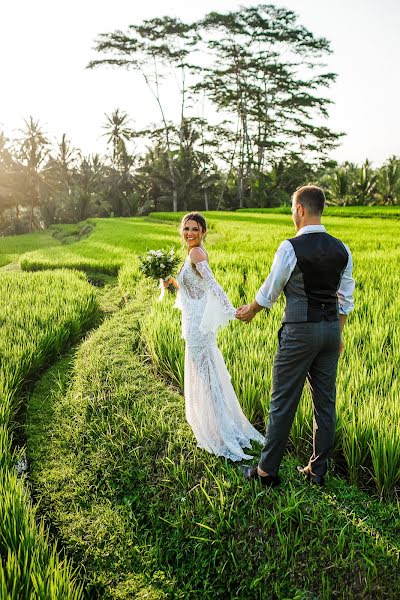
[[312, 198]]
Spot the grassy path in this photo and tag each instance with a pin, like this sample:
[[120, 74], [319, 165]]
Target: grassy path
[[147, 515]]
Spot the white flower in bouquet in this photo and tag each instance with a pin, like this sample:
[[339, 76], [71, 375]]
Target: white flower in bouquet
[[159, 265]]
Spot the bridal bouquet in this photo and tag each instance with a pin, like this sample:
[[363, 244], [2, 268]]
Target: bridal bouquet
[[159, 264]]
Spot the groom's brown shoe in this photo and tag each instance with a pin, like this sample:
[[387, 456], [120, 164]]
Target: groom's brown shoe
[[250, 472], [305, 471]]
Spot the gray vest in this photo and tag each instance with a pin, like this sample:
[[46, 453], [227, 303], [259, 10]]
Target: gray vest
[[311, 292]]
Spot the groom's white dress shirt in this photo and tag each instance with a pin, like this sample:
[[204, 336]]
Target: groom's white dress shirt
[[283, 266]]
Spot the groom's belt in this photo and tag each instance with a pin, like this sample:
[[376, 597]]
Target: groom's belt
[[301, 310], [330, 318]]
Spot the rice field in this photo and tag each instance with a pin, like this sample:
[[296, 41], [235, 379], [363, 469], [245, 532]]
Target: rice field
[[40, 314], [11, 247], [241, 249], [363, 212], [114, 243]]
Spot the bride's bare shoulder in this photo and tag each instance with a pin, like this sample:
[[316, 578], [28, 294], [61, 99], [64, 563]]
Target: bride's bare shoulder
[[198, 255]]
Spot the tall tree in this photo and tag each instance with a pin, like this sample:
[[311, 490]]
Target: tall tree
[[389, 181], [365, 184], [339, 183], [10, 196], [119, 184], [152, 48], [266, 70], [33, 153], [59, 173], [86, 198], [194, 170], [118, 133]]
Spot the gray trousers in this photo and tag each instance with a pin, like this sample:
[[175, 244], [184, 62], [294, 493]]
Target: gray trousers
[[305, 351]]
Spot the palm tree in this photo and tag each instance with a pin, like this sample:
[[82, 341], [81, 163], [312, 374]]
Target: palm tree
[[86, 197], [33, 152], [65, 160], [9, 197], [118, 134], [59, 174], [365, 186], [389, 181], [339, 184]]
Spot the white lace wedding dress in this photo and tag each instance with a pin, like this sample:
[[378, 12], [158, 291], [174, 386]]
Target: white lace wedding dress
[[212, 408]]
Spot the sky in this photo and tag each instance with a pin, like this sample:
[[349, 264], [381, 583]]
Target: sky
[[45, 46]]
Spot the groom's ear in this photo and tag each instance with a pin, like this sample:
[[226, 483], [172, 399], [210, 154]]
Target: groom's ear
[[302, 209]]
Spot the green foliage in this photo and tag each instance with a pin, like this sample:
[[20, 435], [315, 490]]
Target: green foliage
[[41, 313], [113, 243], [31, 568], [159, 264], [150, 516], [359, 212], [349, 184], [11, 247], [112, 468], [185, 165], [241, 250], [389, 181]]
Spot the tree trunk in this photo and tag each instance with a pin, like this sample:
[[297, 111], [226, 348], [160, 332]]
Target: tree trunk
[[32, 211], [240, 187], [206, 199], [175, 200]]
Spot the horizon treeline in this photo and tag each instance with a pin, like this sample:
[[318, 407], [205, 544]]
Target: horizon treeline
[[250, 130]]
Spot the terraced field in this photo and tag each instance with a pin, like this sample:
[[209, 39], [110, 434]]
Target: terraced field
[[127, 494]]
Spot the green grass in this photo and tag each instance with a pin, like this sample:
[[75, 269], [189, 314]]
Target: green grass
[[72, 232], [13, 246], [41, 314], [241, 249], [186, 532], [147, 515], [381, 212], [242, 246], [113, 243]]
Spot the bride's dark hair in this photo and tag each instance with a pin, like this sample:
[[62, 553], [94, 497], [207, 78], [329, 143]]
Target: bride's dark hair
[[194, 216]]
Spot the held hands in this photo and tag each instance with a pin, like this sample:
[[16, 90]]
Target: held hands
[[245, 313]]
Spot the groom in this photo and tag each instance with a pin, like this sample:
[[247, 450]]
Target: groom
[[314, 270]]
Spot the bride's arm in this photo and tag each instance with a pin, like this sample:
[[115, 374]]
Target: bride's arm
[[199, 258]]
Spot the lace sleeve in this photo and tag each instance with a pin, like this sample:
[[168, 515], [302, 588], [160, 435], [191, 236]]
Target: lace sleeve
[[219, 310]]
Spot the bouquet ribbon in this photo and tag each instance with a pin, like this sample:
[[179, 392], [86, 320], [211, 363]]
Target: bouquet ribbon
[[162, 289]]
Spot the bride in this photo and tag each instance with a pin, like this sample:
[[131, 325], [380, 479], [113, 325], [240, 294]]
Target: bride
[[212, 408]]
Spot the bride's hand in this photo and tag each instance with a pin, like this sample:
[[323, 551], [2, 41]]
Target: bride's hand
[[245, 313], [167, 282]]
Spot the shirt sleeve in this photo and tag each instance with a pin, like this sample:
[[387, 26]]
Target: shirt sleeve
[[282, 267], [346, 287]]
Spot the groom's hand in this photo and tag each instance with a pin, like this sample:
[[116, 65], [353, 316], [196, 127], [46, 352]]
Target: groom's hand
[[245, 313]]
